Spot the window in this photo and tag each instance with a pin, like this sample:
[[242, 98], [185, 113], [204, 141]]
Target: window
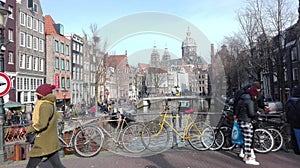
[[41, 27], [56, 46], [22, 61], [63, 82], [67, 50], [35, 8], [56, 63], [68, 83], [10, 57], [35, 63], [41, 45], [32, 95], [31, 84], [35, 24], [41, 65], [62, 48], [29, 22], [67, 65], [295, 74], [11, 10], [62, 64], [22, 18], [10, 35], [22, 39], [35, 43], [29, 41], [294, 54], [25, 96], [28, 61]]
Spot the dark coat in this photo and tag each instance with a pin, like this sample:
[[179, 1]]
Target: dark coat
[[292, 109], [245, 108], [46, 142]]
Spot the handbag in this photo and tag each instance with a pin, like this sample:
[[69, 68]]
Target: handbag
[[236, 134], [30, 137]]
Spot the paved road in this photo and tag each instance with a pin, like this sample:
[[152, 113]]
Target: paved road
[[173, 158]]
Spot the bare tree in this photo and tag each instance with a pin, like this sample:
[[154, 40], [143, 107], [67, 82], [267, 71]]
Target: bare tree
[[262, 19], [98, 51]]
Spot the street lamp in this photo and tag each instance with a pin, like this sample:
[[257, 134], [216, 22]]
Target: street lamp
[[3, 18]]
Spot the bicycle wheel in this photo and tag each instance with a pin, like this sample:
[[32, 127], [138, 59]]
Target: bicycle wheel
[[227, 138], [132, 138], [285, 131], [278, 139], [219, 139], [201, 136], [158, 137], [88, 141], [263, 141]]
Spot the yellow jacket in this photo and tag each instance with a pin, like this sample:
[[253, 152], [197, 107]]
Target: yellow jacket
[[46, 142]]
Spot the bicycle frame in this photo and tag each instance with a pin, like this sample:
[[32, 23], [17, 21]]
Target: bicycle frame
[[121, 123], [164, 121], [70, 144]]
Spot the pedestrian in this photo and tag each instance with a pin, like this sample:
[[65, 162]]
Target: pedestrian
[[292, 109], [245, 112], [44, 121]]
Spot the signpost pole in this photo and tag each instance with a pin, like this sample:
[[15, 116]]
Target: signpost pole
[[4, 84]]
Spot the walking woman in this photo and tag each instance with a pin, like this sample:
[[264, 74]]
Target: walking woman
[[44, 121]]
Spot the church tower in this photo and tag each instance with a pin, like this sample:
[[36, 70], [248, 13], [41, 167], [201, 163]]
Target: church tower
[[189, 49], [166, 56], [155, 58]]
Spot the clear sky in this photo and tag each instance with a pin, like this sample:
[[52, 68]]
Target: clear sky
[[214, 18]]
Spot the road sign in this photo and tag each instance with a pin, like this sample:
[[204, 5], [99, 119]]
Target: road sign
[[5, 84]]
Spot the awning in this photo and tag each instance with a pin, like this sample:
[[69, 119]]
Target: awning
[[12, 104]]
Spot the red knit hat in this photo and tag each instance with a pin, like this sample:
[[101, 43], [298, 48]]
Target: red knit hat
[[253, 91], [44, 89]]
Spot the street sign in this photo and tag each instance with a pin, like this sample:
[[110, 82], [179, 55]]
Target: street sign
[[5, 84]]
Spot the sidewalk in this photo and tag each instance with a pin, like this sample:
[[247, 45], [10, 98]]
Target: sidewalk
[[174, 158]]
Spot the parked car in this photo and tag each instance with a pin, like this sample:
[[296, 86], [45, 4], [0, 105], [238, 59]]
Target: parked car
[[274, 107]]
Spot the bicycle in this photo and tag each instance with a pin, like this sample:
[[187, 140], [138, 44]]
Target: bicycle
[[87, 140], [263, 139], [128, 134], [199, 134], [223, 130], [281, 131]]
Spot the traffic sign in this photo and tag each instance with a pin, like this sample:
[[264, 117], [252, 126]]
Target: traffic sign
[[5, 84]]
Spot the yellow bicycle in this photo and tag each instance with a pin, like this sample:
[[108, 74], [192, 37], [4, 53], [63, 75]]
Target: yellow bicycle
[[199, 134]]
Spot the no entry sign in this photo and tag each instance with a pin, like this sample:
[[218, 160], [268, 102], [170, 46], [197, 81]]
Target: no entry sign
[[5, 84]]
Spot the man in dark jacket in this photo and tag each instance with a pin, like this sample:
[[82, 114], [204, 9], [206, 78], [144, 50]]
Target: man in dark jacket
[[292, 109], [245, 113]]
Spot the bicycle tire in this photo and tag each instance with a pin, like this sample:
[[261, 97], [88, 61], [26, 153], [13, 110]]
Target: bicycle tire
[[219, 139], [201, 136], [227, 141], [88, 141], [132, 138], [158, 138], [263, 141], [285, 131], [278, 139]]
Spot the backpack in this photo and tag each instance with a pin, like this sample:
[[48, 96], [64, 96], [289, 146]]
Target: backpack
[[237, 97]]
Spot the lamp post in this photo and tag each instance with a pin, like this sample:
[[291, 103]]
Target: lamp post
[[3, 18]]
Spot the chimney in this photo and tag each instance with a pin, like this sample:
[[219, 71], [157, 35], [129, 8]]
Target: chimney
[[212, 50]]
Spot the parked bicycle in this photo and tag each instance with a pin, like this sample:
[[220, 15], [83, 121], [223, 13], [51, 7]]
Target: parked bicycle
[[87, 140], [199, 134], [123, 131], [280, 130], [263, 139]]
